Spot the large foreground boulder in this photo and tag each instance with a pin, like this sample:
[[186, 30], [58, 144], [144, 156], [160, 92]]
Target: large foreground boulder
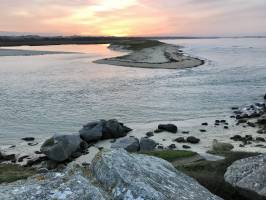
[[113, 175], [133, 176], [131, 144], [68, 185], [60, 147], [249, 175]]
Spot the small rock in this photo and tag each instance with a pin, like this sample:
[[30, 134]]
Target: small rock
[[147, 144], [221, 146], [168, 127], [149, 134], [203, 130], [236, 138], [158, 131], [85, 164], [242, 121], [186, 147], [35, 161], [241, 145], [260, 139], [260, 145], [185, 132], [262, 120], [226, 127], [9, 157], [160, 147], [20, 159], [261, 131], [223, 121], [33, 143], [131, 144], [251, 124], [28, 139], [180, 140], [248, 137], [37, 152], [235, 108], [172, 146], [204, 124], [193, 140]]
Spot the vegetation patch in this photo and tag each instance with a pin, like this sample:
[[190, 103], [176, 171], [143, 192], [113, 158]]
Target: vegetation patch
[[10, 173], [210, 174], [136, 45], [171, 155]]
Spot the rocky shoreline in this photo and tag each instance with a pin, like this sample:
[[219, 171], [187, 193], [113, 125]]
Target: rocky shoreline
[[61, 151]]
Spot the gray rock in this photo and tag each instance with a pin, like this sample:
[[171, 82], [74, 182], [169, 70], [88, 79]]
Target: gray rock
[[131, 144], [92, 131], [147, 144], [168, 127], [7, 157], [249, 174], [60, 148], [70, 184], [180, 140], [262, 120], [28, 139], [149, 134], [113, 175], [193, 140], [135, 176], [221, 146], [114, 129]]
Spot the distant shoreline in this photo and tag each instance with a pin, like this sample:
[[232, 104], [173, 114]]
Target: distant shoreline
[[34, 40], [145, 52]]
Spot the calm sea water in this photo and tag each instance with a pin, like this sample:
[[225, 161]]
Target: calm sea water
[[47, 94]]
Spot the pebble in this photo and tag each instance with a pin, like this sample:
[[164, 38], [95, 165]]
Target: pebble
[[28, 139]]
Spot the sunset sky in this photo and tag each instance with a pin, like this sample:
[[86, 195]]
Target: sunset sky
[[135, 17]]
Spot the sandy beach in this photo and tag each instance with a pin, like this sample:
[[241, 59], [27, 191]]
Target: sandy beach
[[164, 56]]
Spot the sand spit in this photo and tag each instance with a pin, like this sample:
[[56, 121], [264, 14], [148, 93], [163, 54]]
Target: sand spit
[[162, 55]]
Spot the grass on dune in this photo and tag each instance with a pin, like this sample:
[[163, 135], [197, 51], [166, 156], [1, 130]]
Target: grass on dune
[[136, 45], [11, 172], [171, 155]]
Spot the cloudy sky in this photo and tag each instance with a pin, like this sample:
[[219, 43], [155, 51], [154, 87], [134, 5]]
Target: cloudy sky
[[135, 17]]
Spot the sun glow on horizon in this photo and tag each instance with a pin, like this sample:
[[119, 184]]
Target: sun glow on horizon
[[134, 17]]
